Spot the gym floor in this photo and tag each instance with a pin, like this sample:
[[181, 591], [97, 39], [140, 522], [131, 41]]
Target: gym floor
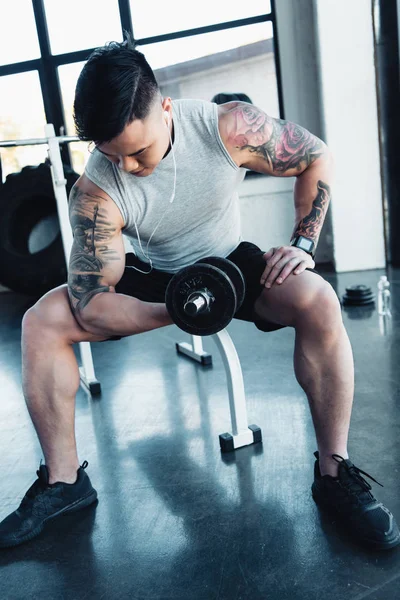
[[175, 518]]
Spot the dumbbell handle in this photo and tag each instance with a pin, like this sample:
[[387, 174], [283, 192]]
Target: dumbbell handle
[[198, 302]]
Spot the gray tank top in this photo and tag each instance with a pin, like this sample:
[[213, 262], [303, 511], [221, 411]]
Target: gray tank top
[[204, 218]]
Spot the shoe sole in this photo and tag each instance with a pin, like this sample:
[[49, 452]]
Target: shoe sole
[[378, 545], [71, 508]]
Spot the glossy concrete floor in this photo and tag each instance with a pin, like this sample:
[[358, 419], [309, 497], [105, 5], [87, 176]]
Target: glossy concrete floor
[[175, 518]]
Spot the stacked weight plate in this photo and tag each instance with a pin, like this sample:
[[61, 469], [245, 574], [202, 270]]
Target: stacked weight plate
[[358, 295]]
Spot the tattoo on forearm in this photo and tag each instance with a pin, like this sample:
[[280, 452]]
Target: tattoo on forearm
[[91, 253], [282, 144], [311, 225]]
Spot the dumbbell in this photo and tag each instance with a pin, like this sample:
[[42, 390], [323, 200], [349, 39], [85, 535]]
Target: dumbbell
[[203, 298]]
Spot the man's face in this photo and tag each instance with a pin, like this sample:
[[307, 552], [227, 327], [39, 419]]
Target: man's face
[[142, 144]]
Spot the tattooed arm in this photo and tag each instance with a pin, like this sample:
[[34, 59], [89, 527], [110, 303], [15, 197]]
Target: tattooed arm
[[97, 258], [281, 148], [96, 265]]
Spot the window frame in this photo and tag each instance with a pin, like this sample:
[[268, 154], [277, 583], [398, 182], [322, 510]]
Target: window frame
[[47, 65]]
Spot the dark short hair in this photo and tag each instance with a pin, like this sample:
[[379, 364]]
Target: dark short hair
[[223, 97], [116, 86]]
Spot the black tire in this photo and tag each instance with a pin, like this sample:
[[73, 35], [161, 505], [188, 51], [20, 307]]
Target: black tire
[[27, 199]]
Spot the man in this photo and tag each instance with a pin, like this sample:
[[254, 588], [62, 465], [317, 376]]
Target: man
[[166, 173]]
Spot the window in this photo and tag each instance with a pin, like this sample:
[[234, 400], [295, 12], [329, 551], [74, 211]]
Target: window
[[20, 119], [77, 25], [18, 37], [236, 60], [68, 75], [175, 15]]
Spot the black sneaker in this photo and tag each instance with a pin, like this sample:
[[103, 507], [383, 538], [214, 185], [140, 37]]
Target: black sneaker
[[348, 497], [43, 502]]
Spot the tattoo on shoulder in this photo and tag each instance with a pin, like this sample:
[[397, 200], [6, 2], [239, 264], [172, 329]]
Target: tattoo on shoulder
[[92, 233], [283, 144]]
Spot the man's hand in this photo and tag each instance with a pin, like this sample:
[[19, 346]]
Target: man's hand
[[282, 261]]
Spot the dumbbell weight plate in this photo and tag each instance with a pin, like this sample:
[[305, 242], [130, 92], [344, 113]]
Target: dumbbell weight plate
[[358, 291], [358, 295], [192, 279], [348, 301], [233, 272]]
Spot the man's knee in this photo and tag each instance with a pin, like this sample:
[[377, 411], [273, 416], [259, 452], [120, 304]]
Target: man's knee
[[320, 306], [304, 299]]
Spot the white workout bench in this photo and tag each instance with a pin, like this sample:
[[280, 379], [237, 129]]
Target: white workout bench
[[242, 434]]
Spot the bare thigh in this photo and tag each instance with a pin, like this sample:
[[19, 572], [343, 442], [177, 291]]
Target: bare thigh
[[53, 313], [297, 296]]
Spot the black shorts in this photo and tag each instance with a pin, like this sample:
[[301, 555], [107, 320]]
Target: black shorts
[[151, 288]]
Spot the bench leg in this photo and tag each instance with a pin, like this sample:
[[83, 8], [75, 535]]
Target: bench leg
[[195, 351], [87, 374], [242, 433]]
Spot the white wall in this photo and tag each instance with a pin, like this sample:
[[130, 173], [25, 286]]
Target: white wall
[[351, 125], [267, 211]]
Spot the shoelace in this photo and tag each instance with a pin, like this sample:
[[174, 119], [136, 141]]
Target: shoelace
[[39, 486], [355, 472]]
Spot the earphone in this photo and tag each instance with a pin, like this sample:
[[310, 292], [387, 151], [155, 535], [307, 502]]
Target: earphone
[[167, 120]]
